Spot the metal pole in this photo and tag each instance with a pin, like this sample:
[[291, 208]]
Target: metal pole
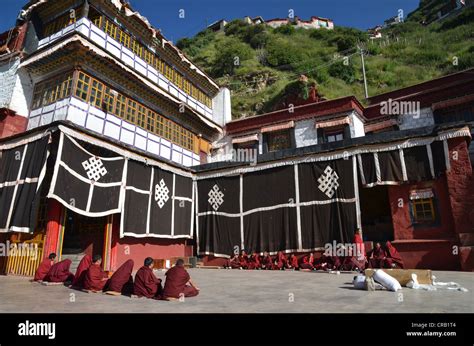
[[363, 72]]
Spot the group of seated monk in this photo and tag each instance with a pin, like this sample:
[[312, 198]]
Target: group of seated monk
[[91, 277], [387, 257]]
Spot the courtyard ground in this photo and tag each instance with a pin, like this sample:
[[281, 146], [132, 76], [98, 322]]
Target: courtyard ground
[[246, 291]]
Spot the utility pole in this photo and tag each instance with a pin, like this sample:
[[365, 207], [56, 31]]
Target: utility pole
[[363, 71]]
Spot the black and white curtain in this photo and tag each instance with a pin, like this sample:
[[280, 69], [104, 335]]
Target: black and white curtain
[[85, 182], [95, 181], [294, 207], [158, 203], [22, 169], [425, 161]]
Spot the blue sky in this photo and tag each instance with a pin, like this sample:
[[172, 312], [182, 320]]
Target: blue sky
[[164, 14]]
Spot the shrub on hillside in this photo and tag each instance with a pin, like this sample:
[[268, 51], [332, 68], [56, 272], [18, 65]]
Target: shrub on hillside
[[344, 72], [230, 55], [286, 29], [235, 27], [283, 54]]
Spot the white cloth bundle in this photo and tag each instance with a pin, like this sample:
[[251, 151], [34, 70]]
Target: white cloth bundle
[[387, 281]]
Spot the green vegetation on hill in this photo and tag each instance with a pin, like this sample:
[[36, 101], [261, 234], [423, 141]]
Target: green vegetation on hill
[[258, 63]]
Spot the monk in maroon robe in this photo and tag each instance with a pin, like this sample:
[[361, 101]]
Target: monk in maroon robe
[[178, 283], [81, 271], [254, 261], [393, 259], [44, 267], [377, 257], [122, 280], [293, 261], [59, 272], [282, 261], [233, 262], [146, 283], [244, 260], [308, 262], [95, 278], [267, 262]]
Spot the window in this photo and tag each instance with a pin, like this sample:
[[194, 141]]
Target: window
[[141, 116], [110, 29], [131, 111], [149, 56], [335, 136], [423, 210], [96, 94], [120, 102], [278, 140], [150, 121], [101, 96], [168, 72], [137, 48], [60, 23], [187, 87], [124, 38], [52, 90], [109, 100]]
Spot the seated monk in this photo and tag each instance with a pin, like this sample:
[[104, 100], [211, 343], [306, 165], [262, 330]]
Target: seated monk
[[393, 259], [293, 262], [377, 257], [233, 262], [146, 283], [254, 261], [352, 261], [267, 261], [59, 272], [44, 267], [244, 260], [81, 271], [308, 262], [178, 283], [282, 261], [122, 280], [95, 278]]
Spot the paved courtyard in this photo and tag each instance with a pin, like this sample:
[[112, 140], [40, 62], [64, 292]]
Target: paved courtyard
[[246, 291]]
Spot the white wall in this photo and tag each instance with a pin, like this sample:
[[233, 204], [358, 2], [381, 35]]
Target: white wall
[[305, 133], [15, 87], [357, 126], [221, 106]]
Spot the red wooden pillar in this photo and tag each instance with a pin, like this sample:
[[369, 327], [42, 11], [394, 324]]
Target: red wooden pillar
[[53, 228], [114, 242]]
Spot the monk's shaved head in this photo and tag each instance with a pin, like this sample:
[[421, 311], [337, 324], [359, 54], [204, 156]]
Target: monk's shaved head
[[148, 261], [96, 258], [52, 256], [180, 263]]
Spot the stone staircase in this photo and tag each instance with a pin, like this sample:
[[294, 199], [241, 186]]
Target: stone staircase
[[75, 259]]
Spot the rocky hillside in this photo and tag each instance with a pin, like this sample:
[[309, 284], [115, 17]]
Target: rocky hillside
[[263, 66]]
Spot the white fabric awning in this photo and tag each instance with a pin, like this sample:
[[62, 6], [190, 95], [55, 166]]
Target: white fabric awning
[[332, 122], [278, 127], [245, 139]]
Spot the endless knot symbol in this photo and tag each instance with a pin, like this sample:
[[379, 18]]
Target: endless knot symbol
[[161, 193], [94, 168], [216, 197], [328, 182]]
